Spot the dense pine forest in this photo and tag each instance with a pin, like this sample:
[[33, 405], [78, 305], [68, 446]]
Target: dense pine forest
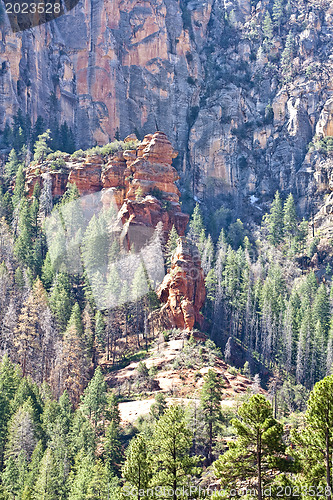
[[267, 313]]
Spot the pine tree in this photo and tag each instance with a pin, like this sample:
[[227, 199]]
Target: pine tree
[[112, 448], [207, 255], [137, 469], [12, 477], [329, 359], [158, 408], [102, 485], [314, 443], [12, 164], [82, 436], [112, 412], [196, 225], [236, 233], [19, 188], [139, 284], [171, 245], [268, 27], [50, 484], [60, 300], [41, 148], [9, 382], [38, 129], [113, 287], [258, 450], [47, 274], [75, 319], [21, 433], [24, 242], [81, 476], [211, 395], [303, 361], [287, 54], [94, 398], [100, 330], [172, 443], [275, 221], [290, 219], [319, 354], [211, 290], [321, 309], [278, 13], [95, 247]]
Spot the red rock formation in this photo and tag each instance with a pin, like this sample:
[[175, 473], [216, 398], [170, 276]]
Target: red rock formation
[[183, 289], [141, 183], [87, 176], [150, 168], [59, 180]]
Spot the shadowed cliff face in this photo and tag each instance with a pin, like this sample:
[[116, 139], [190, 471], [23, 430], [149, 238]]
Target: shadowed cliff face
[[205, 73]]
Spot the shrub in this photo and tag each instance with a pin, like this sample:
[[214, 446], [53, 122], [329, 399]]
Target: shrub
[[143, 370], [79, 154], [166, 336], [58, 164], [269, 114], [157, 193]]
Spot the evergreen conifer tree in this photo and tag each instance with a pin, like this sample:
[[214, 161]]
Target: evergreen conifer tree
[[259, 448], [172, 443], [211, 396], [137, 469]]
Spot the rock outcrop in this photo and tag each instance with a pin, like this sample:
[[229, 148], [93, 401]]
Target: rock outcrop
[[183, 289], [140, 182]]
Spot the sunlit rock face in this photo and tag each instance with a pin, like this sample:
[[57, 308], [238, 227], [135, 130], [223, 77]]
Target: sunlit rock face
[[183, 289], [139, 182], [241, 124]]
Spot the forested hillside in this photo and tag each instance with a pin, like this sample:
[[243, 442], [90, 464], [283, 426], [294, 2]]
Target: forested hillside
[[72, 317]]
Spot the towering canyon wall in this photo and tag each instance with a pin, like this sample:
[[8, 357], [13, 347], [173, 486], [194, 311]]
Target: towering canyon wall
[[205, 73]]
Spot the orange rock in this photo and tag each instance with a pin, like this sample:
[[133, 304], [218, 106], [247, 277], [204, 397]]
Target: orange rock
[[34, 174], [183, 289], [87, 176], [148, 212]]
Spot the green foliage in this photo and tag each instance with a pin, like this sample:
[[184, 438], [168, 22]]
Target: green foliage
[[12, 164], [171, 244], [94, 398], [211, 396], [196, 225], [287, 54], [41, 149], [172, 442], [275, 220], [314, 443], [277, 12], [108, 149], [259, 447], [137, 469], [268, 26]]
